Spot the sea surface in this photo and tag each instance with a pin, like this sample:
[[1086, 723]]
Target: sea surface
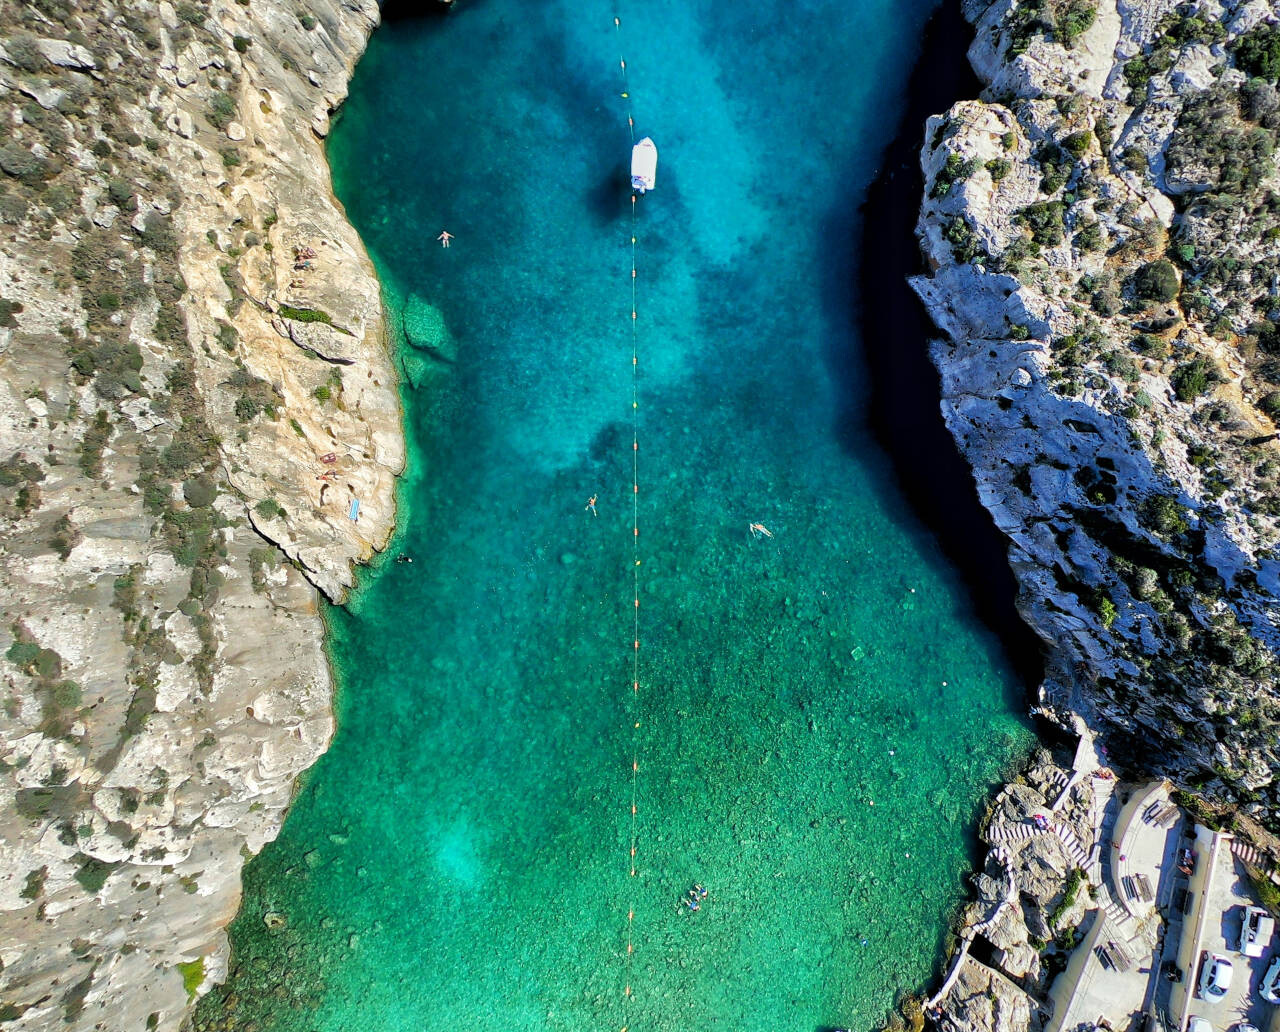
[[819, 712]]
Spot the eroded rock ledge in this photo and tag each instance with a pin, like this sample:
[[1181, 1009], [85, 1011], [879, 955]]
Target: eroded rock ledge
[[191, 336]]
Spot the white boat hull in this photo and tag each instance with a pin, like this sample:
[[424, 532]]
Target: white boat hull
[[644, 165]]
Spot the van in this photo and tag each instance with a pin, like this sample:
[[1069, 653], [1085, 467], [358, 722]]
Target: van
[[1256, 932]]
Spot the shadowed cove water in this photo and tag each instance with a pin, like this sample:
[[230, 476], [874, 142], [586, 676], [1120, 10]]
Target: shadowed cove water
[[820, 714]]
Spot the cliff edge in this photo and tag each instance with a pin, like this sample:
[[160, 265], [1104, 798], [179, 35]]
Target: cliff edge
[[199, 435], [1102, 234]]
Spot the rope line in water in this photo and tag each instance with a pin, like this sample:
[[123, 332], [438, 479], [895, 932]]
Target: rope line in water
[[635, 557]]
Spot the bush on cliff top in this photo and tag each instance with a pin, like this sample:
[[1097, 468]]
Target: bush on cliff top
[[1157, 281], [1257, 52]]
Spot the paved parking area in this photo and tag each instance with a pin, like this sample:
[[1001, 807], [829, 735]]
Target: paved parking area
[[1229, 894]]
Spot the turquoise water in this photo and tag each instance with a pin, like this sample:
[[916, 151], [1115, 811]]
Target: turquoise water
[[819, 712]]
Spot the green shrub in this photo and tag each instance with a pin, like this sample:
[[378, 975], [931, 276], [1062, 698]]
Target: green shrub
[[190, 13], [8, 309], [1104, 129], [1152, 346], [1044, 222], [1078, 143], [964, 242], [956, 170], [157, 234], [93, 443], [93, 873], [66, 535], [1257, 52], [66, 695], [1211, 135], [199, 492], [1164, 515], [25, 53], [1157, 281], [1107, 612], [1069, 892], [307, 21], [222, 109], [270, 509], [33, 660], [305, 315], [23, 165], [241, 43], [998, 168], [34, 887], [121, 194], [1089, 237], [1270, 404], [231, 157], [1192, 379], [1075, 20], [192, 975], [17, 470]]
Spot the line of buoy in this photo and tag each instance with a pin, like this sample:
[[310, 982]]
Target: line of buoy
[[634, 707]]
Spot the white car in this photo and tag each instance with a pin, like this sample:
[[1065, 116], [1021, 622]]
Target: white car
[[1270, 987], [1215, 977], [1198, 1024]]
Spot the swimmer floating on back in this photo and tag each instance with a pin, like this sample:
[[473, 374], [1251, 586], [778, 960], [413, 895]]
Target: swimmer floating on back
[[759, 530]]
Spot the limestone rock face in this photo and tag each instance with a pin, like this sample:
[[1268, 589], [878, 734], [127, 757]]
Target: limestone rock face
[[1105, 370], [195, 384]]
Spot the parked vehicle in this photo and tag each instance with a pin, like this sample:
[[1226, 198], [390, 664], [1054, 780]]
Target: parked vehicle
[[1256, 931], [1215, 977], [1270, 987], [1198, 1024]]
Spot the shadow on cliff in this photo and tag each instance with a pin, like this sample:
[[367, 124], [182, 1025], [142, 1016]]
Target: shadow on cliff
[[409, 10], [888, 355]]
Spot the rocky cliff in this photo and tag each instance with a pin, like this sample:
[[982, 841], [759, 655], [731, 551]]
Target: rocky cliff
[[1102, 234], [196, 387]]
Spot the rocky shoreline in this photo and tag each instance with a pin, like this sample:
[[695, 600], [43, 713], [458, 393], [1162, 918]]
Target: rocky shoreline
[[197, 387], [1100, 239]]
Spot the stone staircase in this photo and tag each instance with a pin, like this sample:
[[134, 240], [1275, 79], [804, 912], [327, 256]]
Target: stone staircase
[[1006, 834], [1074, 849], [1011, 833], [1255, 857], [1059, 788]]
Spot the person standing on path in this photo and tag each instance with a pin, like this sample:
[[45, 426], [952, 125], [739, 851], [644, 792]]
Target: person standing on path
[[444, 237]]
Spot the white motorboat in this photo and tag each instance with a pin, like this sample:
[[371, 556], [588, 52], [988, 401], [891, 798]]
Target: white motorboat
[[644, 165]]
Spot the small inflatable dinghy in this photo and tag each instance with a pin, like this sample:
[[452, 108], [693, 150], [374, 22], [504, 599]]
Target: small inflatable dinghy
[[644, 165]]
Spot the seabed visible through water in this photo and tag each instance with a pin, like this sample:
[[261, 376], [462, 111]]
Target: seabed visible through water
[[819, 712]]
